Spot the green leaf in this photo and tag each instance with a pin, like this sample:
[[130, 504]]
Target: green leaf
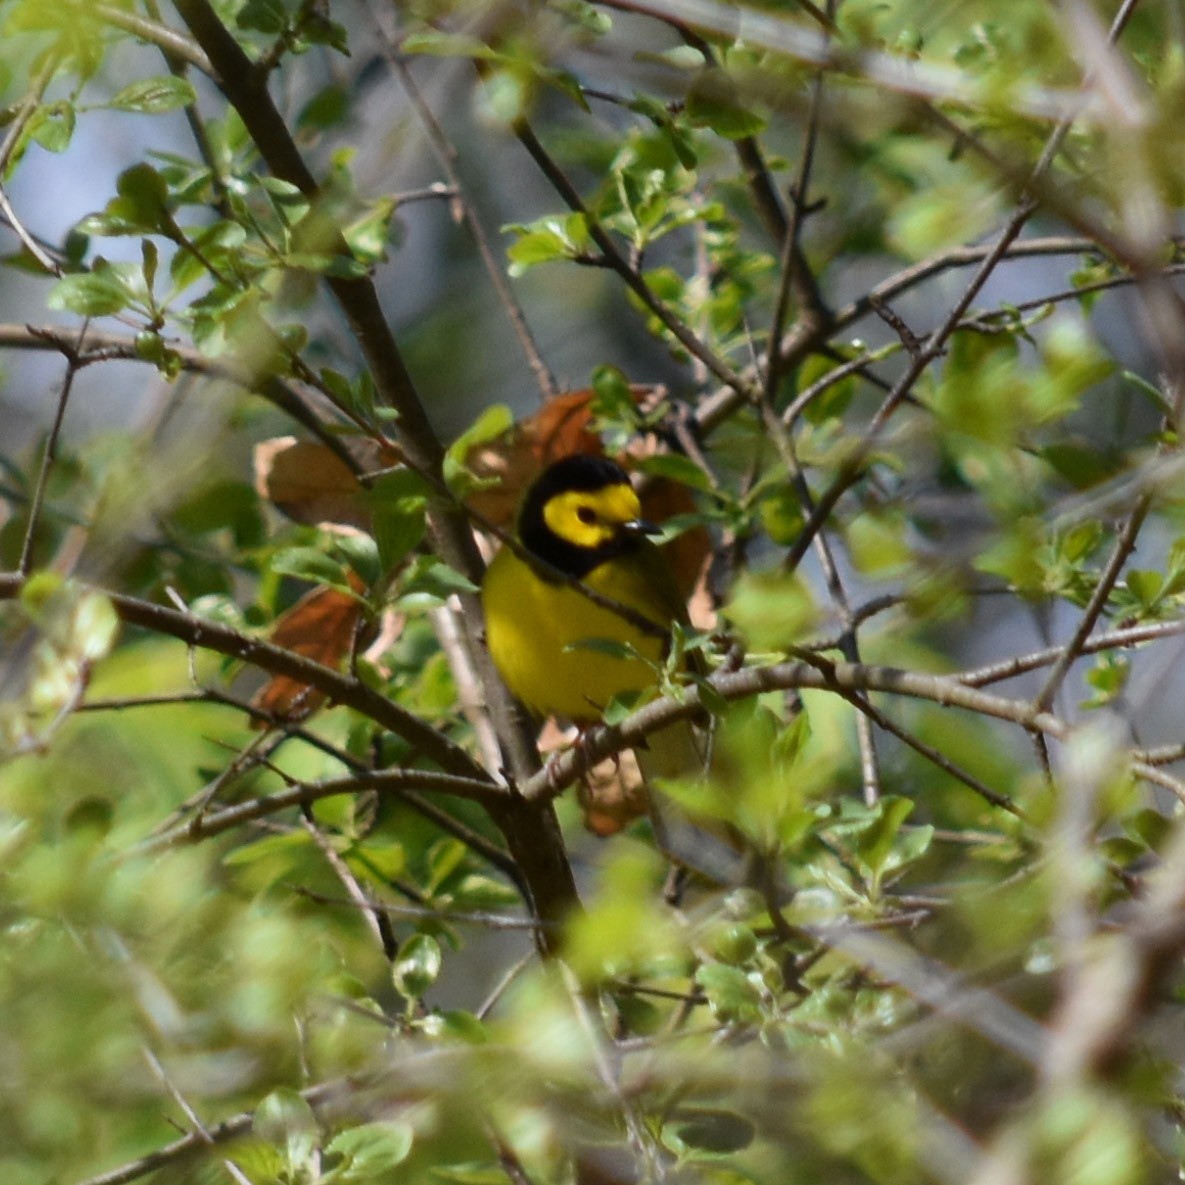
[[1015, 555], [708, 1131], [875, 842], [445, 858], [446, 45], [714, 101], [286, 1121], [368, 235], [781, 514], [397, 536], [833, 401], [546, 240], [284, 851], [398, 513], [773, 611], [680, 57], [879, 542], [939, 215], [1146, 586], [329, 107], [734, 943], [417, 966], [152, 96], [732, 995], [359, 552], [495, 421], [371, 1149], [264, 16], [357, 396], [149, 258], [1107, 678], [679, 468], [586, 16], [94, 626], [1148, 827], [52, 126], [89, 295], [609, 647], [1081, 464], [613, 405], [463, 1026], [307, 563], [483, 892], [142, 201], [430, 582]]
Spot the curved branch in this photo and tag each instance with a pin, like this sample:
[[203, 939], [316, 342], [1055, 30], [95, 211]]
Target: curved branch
[[209, 635], [105, 347], [815, 47], [819, 674], [175, 44], [306, 793], [1010, 668], [629, 274], [245, 88]]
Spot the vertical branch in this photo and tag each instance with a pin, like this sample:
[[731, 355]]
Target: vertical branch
[[531, 831], [848, 642], [8, 146], [49, 456]]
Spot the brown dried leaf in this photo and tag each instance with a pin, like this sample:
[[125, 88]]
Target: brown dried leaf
[[311, 484], [517, 457], [557, 430], [612, 794], [320, 626]]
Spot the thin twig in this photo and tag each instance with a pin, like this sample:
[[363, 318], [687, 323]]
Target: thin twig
[[302, 794], [849, 644], [210, 635], [796, 275], [26, 109], [379, 924], [1124, 545], [48, 457], [622, 266], [164, 37], [446, 155], [1010, 668]]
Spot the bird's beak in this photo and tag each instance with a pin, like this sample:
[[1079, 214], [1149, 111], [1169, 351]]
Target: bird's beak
[[641, 526]]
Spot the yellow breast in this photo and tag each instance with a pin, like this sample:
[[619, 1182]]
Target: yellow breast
[[533, 628]]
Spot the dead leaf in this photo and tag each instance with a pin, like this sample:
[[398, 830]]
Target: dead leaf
[[612, 794], [558, 429], [320, 626], [310, 483]]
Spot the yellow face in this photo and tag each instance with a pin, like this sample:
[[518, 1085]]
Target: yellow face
[[592, 518]]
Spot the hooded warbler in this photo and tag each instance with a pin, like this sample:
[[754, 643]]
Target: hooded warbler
[[582, 521]]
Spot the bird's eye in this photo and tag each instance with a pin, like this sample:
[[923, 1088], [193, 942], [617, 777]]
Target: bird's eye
[[587, 515]]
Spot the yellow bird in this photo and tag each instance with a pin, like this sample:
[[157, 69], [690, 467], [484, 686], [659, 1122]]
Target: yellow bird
[[582, 520]]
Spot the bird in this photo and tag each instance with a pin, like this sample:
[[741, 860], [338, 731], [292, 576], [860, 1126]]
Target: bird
[[581, 524]]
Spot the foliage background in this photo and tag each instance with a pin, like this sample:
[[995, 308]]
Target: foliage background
[[907, 273]]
